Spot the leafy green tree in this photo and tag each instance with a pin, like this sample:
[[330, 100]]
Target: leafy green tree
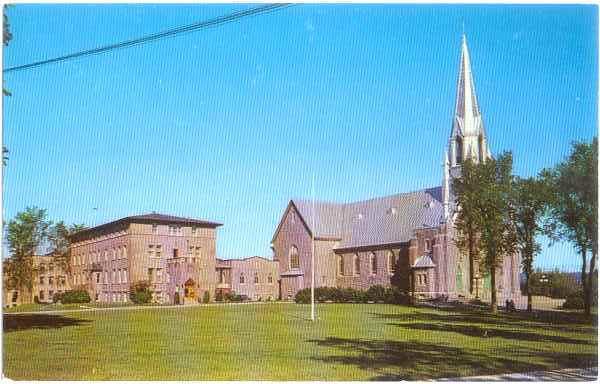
[[574, 208], [531, 198], [58, 237], [498, 232], [484, 198], [25, 234], [467, 189]]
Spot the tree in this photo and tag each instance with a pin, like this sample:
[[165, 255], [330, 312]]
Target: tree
[[467, 190], [484, 197], [574, 208], [25, 234], [58, 237], [531, 198]]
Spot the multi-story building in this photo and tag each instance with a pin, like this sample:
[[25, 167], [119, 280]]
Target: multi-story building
[[254, 277], [407, 235], [50, 276], [175, 255]]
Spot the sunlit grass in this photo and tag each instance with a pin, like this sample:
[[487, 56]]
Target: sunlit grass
[[279, 342]]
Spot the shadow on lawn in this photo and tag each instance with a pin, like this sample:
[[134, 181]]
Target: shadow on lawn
[[15, 322], [475, 331], [558, 321], [398, 360]]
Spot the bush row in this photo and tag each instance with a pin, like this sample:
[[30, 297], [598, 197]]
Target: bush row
[[71, 297], [376, 293]]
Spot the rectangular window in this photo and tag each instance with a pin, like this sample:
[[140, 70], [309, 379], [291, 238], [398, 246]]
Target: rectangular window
[[154, 228], [175, 253], [50, 280], [158, 250], [41, 279], [150, 250], [193, 231]]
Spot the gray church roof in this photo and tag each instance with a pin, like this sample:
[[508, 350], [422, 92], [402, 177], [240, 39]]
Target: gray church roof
[[384, 220], [424, 262]]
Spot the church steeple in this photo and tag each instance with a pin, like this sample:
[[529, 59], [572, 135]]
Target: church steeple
[[467, 139]]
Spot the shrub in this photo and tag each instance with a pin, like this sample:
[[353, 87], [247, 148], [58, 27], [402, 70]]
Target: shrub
[[75, 296], [140, 292], [376, 293], [574, 301], [206, 297], [303, 296], [234, 297]]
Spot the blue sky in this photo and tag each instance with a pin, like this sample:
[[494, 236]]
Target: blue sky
[[230, 123]]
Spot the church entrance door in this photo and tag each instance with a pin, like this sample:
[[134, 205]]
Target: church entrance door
[[189, 292]]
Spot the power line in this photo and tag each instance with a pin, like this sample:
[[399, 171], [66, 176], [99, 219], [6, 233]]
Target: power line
[[156, 36]]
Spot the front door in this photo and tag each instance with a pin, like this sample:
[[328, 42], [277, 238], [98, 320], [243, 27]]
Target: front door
[[189, 292]]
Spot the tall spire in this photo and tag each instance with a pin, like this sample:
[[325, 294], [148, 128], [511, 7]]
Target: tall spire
[[467, 108], [468, 135]]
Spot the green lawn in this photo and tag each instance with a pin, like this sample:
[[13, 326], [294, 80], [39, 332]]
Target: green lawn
[[278, 342]]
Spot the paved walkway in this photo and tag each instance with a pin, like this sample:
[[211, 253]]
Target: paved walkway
[[570, 374], [84, 308]]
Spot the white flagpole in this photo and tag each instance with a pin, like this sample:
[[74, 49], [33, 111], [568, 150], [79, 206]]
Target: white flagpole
[[312, 267]]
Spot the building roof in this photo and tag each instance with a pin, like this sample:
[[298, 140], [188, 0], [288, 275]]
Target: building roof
[[150, 218], [424, 261], [224, 263], [384, 220]]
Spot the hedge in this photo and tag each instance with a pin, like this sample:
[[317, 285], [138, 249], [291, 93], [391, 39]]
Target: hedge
[[376, 293], [72, 297]]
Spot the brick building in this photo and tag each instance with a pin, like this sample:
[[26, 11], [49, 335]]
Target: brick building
[[50, 277], [409, 235], [254, 277], [175, 255]]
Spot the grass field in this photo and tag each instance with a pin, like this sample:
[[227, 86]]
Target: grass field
[[278, 342]]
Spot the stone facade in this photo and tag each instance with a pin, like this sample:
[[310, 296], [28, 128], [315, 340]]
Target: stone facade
[[253, 277], [175, 255], [407, 237]]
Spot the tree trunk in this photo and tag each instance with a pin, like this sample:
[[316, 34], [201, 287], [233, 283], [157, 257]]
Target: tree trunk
[[590, 285], [528, 292], [584, 282], [494, 303], [471, 272]]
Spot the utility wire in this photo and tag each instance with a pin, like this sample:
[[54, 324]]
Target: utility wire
[[156, 36]]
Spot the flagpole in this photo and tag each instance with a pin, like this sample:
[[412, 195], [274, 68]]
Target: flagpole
[[312, 267]]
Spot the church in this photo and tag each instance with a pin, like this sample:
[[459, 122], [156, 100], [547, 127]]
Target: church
[[407, 235]]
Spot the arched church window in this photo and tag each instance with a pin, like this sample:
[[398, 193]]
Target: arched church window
[[459, 150], [373, 264], [356, 265], [340, 264], [391, 262], [294, 258], [256, 278], [242, 278], [427, 245]]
